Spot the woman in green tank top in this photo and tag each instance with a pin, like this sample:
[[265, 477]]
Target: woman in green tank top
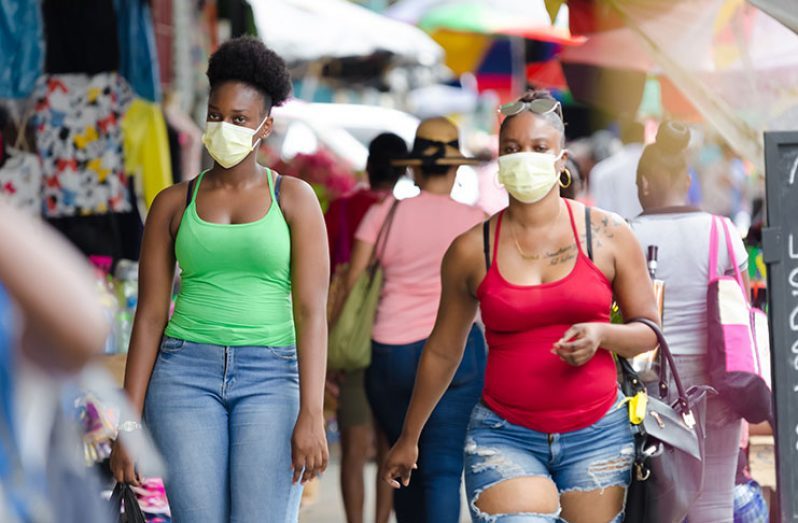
[[231, 386]]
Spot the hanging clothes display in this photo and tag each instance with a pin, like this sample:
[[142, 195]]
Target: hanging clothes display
[[21, 48], [146, 147], [79, 140], [81, 36], [138, 61], [21, 181], [87, 195]]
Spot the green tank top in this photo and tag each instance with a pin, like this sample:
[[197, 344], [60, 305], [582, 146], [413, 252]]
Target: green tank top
[[235, 285]]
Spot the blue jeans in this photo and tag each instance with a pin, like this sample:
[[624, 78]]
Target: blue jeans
[[223, 417], [593, 458], [434, 492]]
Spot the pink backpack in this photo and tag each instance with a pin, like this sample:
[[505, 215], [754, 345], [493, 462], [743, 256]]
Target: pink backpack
[[738, 338]]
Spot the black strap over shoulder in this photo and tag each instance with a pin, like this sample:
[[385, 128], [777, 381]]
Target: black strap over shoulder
[[486, 242], [190, 191], [277, 184], [588, 233]]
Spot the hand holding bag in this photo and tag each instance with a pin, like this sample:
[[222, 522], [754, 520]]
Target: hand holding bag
[[668, 472], [738, 339], [349, 346], [125, 506]]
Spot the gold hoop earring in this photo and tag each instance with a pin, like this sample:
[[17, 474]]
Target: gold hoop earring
[[568, 176]]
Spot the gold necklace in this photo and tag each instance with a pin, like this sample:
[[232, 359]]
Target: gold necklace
[[530, 257]]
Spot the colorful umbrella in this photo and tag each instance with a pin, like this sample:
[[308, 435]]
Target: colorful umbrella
[[489, 38], [524, 19]]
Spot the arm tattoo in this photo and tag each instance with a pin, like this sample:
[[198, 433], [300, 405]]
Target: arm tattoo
[[604, 229]]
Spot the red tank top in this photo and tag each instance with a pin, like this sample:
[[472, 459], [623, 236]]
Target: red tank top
[[524, 382]]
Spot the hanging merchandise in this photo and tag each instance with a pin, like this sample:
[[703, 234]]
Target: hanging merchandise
[[79, 139], [146, 147], [138, 61], [21, 48], [81, 36], [21, 181]]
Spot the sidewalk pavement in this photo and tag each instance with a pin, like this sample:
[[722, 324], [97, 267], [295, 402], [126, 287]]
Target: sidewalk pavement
[[327, 507]]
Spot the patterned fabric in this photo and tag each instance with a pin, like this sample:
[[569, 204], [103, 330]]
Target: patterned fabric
[[79, 139], [749, 504], [21, 181]]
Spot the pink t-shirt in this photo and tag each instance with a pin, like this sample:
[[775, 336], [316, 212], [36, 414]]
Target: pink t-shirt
[[422, 230]]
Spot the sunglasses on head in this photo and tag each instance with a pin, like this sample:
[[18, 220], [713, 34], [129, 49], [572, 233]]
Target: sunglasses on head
[[540, 106]]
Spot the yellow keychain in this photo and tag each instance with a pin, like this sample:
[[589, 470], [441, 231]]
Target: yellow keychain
[[637, 407]]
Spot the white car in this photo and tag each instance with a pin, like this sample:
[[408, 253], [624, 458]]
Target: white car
[[346, 130]]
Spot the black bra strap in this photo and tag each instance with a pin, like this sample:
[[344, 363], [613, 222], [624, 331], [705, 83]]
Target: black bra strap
[[190, 191], [277, 184], [588, 233], [486, 242]]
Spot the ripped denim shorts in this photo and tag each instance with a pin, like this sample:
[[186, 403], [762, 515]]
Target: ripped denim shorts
[[593, 458]]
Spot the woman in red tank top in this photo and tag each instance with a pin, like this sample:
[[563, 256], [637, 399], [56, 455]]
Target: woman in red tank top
[[547, 440]]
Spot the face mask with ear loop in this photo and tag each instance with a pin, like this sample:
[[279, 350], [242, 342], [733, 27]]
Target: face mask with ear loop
[[529, 176], [229, 144]]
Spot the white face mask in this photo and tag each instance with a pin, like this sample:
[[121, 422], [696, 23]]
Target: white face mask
[[229, 144], [528, 176]]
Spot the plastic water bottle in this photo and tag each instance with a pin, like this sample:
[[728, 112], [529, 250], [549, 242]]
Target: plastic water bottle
[[127, 277], [110, 307]]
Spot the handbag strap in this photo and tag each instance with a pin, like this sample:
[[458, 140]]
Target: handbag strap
[[713, 250], [382, 237], [666, 360], [123, 496], [738, 275]]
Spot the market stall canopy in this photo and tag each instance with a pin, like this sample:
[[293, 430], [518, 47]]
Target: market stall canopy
[[735, 64], [785, 11], [310, 30]]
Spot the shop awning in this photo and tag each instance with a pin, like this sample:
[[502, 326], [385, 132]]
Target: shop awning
[[311, 30]]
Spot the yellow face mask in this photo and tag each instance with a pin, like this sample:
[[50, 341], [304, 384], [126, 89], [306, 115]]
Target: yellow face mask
[[229, 144], [528, 176]]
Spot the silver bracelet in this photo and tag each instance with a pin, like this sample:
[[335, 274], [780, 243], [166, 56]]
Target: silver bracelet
[[129, 426]]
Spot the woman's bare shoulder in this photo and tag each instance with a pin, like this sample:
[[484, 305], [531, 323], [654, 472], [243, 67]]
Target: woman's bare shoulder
[[466, 253]]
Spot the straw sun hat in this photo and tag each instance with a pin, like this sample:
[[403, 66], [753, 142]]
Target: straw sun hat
[[436, 143]]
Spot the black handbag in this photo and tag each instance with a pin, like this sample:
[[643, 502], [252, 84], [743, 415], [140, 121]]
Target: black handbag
[[668, 471], [124, 505]]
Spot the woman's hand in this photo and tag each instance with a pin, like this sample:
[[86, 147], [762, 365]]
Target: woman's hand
[[400, 463], [309, 452], [579, 343], [122, 467]]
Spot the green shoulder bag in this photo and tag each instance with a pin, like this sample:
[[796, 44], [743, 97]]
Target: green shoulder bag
[[349, 346]]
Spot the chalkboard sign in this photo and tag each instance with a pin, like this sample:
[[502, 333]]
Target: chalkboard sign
[[780, 246]]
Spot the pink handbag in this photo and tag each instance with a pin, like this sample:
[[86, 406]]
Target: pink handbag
[[737, 337]]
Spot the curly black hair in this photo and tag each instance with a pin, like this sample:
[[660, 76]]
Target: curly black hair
[[247, 59]]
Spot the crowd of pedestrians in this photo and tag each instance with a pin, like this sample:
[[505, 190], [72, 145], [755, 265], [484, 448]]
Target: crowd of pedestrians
[[493, 353]]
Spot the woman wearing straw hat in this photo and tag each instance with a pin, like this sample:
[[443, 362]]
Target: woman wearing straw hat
[[420, 232]]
